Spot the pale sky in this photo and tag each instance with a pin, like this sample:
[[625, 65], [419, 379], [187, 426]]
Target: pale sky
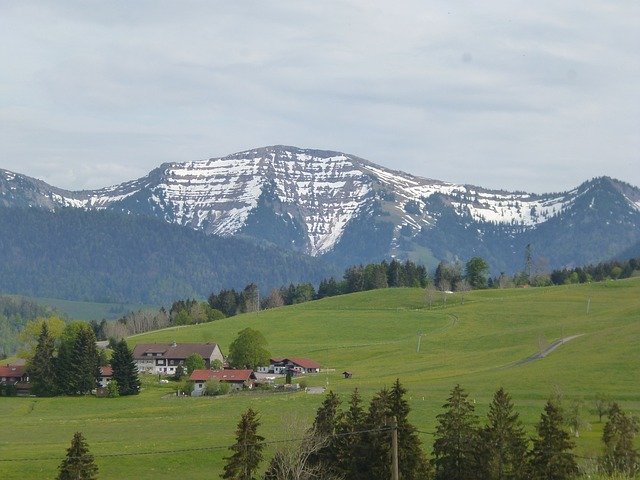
[[535, 96]]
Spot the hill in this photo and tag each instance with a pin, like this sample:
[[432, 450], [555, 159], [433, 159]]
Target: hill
[[108, 257], [350, 210], [480, 344]]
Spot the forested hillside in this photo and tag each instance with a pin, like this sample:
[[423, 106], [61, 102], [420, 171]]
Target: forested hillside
[[111, 257]]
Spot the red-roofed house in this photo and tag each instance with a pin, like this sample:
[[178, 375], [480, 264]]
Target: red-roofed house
[[237, 379], [106, 374], [15, 376], [165, 358], [295, 365]]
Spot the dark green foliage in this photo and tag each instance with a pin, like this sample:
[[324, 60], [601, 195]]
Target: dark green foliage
[[125, 371], [247, 451], [411, 458], [111, 257], [248, 350], [77, 364], [194, 362], [41, 368], [476, 271], [618, 436], [324, 428], [455, 446], [79, 463], [550, 457], [602, 271], [351, 447], [378, 439], [503, 445]]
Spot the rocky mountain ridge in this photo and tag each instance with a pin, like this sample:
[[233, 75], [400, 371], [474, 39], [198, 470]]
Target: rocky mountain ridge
[[318, 202]]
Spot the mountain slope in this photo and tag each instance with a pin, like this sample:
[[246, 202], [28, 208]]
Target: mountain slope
[[109, 257], [351, 210]]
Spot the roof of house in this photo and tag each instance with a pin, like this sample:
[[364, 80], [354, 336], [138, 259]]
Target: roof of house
[[12, 371], [201, 375], [173, 350], [303, 362], [106, 371], [226, 375], [229, 375]]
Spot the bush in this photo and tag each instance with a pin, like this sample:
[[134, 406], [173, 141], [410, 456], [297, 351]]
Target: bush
[[215, 387]]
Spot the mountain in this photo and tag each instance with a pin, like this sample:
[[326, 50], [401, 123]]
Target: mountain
[[105, 256], [349, 210]]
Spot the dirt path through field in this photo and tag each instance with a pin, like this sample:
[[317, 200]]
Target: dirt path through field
[[546, 351]]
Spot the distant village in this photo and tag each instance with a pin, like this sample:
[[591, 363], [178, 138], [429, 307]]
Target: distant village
[[166, 360]]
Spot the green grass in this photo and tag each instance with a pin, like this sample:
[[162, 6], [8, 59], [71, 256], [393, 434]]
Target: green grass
[[374, 335]]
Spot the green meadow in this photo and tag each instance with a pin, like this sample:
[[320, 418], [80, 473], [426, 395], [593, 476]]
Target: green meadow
[[480, 343]]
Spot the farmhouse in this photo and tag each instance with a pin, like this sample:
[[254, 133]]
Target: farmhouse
[[15, 375], [106, 374], [12, 374], [295, 365], [165, 358], [237, 379]]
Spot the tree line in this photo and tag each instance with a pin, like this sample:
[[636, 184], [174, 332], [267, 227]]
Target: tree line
[[15, 313], [356, 443], [66, 361]]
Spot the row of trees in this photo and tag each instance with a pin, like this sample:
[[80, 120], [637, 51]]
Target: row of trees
[[602, 271], [69, 364], [355, 443]]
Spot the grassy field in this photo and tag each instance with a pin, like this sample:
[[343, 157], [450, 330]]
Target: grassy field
[[374, 335]]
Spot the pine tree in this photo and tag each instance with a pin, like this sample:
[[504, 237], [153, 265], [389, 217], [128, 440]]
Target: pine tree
[[456, 439], [503, 442], [413, 464], [77, 365], [325, 427], [247, 451], [550, 457], [618, 436], [351, 448], [378, 438], [125, 371], [78, 464], [41, 369]]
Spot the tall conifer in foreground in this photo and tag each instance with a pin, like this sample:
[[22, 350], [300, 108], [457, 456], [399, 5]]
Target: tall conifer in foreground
[[247, 451], [78, 464], [618, 436], [411, 458], [41, 369], [125, 371], [455, 444], [503, 444], [325, 427], [351, 451], [551, 457]]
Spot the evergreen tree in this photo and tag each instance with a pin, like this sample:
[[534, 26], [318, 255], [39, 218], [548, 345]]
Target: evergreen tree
[[78, 361], [247, 451], [550, 457], [503, 442], [618, 436], [41, 368], [125, 371], [325, 427], [351, 448], [378, 438], [79, 463], [411, 458], [455, 444]]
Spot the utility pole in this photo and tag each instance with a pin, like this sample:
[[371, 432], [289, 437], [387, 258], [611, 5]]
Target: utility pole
[[394, 449]]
